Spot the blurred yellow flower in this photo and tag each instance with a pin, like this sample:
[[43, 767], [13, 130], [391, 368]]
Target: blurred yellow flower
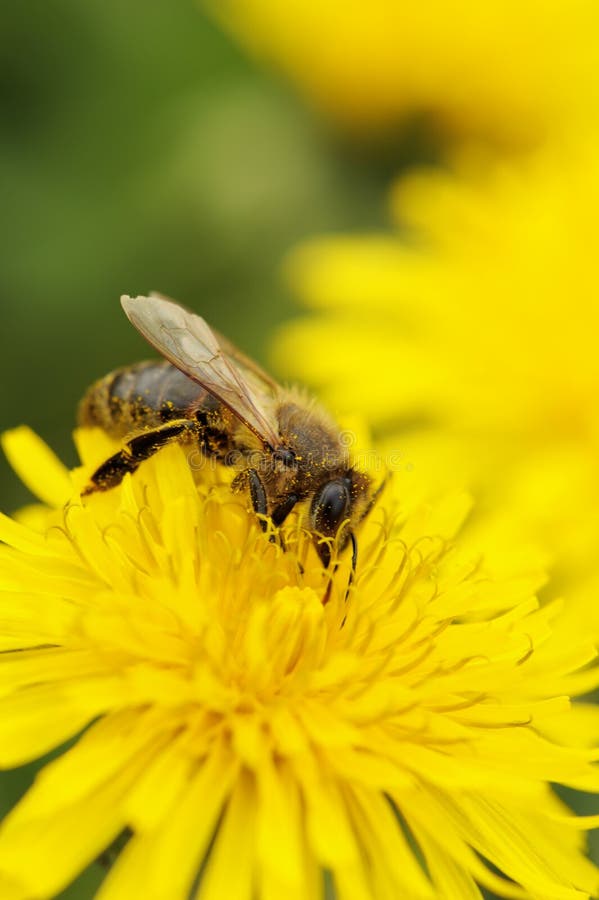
[[401, 738], [511, 71], [475, 327]]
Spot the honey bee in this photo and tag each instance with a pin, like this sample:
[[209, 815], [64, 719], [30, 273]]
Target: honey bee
[[207, 393]]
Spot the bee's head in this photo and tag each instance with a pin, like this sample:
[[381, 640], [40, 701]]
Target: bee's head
[[337, 507]]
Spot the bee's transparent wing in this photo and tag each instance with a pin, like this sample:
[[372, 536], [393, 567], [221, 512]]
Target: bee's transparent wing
[[248, 367], [190, 344]]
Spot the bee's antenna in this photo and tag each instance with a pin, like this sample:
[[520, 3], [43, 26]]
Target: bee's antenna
[[354, 555]]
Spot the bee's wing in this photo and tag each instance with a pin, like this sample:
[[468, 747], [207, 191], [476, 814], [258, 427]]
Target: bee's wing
[[190, 344], [249, 367]]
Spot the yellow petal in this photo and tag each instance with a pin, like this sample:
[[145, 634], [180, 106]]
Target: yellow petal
[[37, 466], [280, 844], [162, 864], [48, 852], [230, 870], [35, 721]]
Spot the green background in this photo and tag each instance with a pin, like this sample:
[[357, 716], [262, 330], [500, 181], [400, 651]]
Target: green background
[[141, 150]]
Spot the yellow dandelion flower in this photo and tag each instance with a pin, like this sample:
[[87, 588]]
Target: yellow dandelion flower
[[398, 740], [512, 72], [481, 319]]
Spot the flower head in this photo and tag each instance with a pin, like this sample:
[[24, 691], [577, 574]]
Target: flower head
[[512, 72], [253, 728], [477, 322]]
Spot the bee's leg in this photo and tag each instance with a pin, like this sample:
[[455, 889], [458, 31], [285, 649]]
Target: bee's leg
[[354, 555], [324, 551], [257, 496], [111, 472], [260, 506], [281, 511], [135, 451], [354, 564]]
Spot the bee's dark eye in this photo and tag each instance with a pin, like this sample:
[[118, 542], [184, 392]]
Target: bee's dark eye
[[330, 507]]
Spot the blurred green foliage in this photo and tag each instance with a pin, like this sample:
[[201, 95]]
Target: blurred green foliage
[[140, 150]]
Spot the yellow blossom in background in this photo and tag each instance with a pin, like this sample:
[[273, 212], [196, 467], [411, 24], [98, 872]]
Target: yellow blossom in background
[[472, 334], [261, 732], [512, 72]]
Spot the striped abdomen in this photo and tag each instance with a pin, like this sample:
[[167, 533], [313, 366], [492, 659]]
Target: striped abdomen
[[145, 395]]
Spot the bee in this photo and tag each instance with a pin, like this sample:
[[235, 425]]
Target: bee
[[206, 393]]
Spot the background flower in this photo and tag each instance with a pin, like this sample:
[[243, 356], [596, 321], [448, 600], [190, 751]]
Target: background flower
[[474, 332], [512, 72]]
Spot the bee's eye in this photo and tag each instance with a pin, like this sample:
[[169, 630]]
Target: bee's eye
[[330, 507]]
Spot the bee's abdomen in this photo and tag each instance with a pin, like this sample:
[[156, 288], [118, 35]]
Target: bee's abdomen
[[144, 395]]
